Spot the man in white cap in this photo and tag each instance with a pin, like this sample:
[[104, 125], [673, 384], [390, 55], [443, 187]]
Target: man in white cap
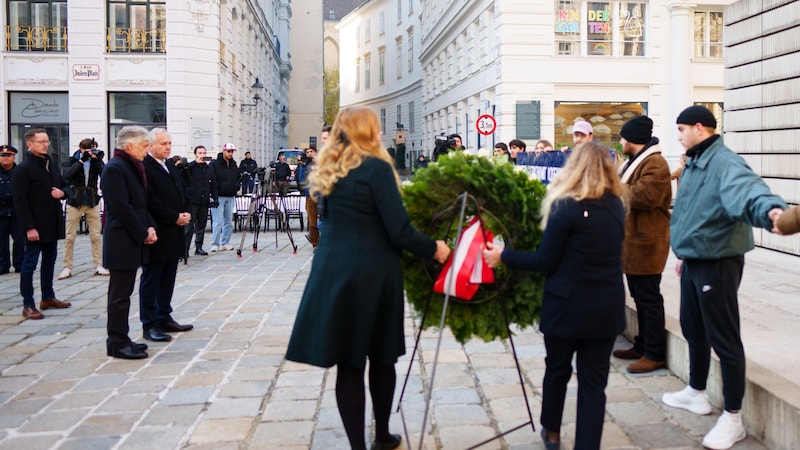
[[228, 178]]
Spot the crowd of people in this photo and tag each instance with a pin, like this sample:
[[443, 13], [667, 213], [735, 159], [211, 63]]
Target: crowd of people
[[606, 220]]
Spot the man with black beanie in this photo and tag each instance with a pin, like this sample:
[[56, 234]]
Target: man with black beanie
[[719, 202], [648, 194]]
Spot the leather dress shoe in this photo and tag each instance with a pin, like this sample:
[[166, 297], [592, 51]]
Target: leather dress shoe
[[156, 335], [53, 303], [201, 252], [134, 345], [644, 365], [31, 313], [629, 353], [171, 325], [129, 352], [394, 443]]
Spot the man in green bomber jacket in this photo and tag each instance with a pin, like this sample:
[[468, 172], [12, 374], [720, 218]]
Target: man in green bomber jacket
[[719, 202]]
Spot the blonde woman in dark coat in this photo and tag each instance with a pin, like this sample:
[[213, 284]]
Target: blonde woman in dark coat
[[352, 306]]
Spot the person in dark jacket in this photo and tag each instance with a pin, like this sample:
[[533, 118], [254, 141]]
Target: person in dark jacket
[[38, 190], [304, 168], [201, 188], [352, 307], [583, 304], [128, 229], [282, 173], [84, 200], [248, 168], [169, 208], [227, 175], [9, 223]]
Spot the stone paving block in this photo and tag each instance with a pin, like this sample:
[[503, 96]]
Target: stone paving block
[[31, 368], [497, 376], [466, 436], [293, 393], [211, 431], [209, 367], [635, 413], [496, 391], [45, 389], [75, 369], [24, 407], [326, 439], [54, 421], [509, 409], [270, 435], [188, 344], [625, 394], [234, 407], [10, 421], [450, 375], [219, 354], [451, 415], [170, 357], [180, 415], [213, 446], [101, 382], [15, 384], [267, 374], [459, 396], [297, 410], [30, 442], [300, 378], [662, 435], [106, 425], [248, 389], [499, 360], [154, 438], [24, 348], [137, 403], [523, 436], [187, 396], [78, 400], [268, 358], [198, 380], [329, 418]]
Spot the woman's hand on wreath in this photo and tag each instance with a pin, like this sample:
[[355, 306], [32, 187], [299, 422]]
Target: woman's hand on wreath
[[442, 251], [492, 255]]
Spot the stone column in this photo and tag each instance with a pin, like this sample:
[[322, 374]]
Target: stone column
[[680, 57]]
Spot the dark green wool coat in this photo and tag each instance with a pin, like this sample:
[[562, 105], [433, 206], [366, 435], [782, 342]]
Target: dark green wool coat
[[352, 306]]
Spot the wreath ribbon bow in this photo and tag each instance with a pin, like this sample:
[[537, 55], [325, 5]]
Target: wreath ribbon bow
[[466, 270]]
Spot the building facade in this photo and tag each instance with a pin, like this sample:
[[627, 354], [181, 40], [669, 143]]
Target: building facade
[[537, 67], [211, 72]]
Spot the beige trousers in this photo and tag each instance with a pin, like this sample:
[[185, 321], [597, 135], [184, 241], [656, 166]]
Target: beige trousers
[[93, 221]]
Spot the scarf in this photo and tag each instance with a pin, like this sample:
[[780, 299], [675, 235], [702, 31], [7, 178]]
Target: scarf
[[627, 170], [122, 154]]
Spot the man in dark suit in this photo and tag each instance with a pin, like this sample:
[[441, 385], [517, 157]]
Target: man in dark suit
[[169, 207], [128, 229], [37, 186]]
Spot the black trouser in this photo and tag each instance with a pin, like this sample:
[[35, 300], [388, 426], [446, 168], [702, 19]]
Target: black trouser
[[592, 364], [10, 228], [710, 318], [120, 288], [155, 292], [196, 227], [646, 292]]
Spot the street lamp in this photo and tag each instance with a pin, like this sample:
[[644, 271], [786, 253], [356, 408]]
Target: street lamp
[[256, 97]]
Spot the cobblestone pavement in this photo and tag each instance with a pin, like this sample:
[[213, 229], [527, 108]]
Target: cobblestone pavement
[[226, 385]]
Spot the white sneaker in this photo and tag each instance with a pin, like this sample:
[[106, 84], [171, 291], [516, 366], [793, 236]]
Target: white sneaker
[[66, 273], [100, 270], [226, 247], [728, 431], [214, 249], [689, 399]]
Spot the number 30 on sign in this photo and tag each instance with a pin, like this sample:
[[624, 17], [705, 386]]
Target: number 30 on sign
[[486, 124]]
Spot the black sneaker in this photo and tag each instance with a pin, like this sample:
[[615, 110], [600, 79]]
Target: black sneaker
[[200, 252]]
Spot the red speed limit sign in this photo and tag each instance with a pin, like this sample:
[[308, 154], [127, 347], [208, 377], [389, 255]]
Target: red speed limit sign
[[486, 124]]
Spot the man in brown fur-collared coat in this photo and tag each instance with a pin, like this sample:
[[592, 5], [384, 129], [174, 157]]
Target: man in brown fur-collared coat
[[648, 193]]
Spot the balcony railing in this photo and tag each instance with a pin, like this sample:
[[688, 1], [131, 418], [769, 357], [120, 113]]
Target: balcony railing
[[139, 40], [36, 39]]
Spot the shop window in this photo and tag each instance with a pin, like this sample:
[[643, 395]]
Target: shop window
[[367, 70], [37, 26], [136, 26], [606, 120], [708, 34], [592, 28], [147, 109]]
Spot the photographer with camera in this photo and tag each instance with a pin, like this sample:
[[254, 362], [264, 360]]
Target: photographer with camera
[[447, 144], [248, 168], [305, 165], [201, 188], [84, 200]]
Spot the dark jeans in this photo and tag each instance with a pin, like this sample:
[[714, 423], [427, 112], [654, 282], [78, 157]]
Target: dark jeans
[[248, 185], [49, 252], [120, 288], [710, 318], [592, 364], [196, 227], [9, 228], [646, 292], [155, 292]]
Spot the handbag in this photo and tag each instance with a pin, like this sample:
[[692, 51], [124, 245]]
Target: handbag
[[465, 269]]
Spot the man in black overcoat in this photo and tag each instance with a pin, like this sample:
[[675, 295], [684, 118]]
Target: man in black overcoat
[[38, 190], [169, 206], [128, 229]]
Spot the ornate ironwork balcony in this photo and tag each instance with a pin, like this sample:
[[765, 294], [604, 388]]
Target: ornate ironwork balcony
[[36, 39], [136, 40]]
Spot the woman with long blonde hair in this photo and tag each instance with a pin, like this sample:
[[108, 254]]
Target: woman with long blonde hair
[[352, 306], [583, 304]]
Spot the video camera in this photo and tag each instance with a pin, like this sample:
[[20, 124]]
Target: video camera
[[94, 151], [442, 145]]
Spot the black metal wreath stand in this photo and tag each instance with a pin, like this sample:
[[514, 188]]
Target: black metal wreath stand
[[464, 197]]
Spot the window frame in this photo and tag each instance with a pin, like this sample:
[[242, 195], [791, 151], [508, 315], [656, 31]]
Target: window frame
[[149, 38], [621, 28], [706, 44], [38, 36]]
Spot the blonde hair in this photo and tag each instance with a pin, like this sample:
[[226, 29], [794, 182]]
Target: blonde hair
[[354, 137], [588, 174]]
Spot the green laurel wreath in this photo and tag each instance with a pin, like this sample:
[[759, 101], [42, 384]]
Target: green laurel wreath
[[510, 204]]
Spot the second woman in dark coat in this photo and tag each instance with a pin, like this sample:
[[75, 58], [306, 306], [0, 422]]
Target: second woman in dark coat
[[583, 305], [352, 307]]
